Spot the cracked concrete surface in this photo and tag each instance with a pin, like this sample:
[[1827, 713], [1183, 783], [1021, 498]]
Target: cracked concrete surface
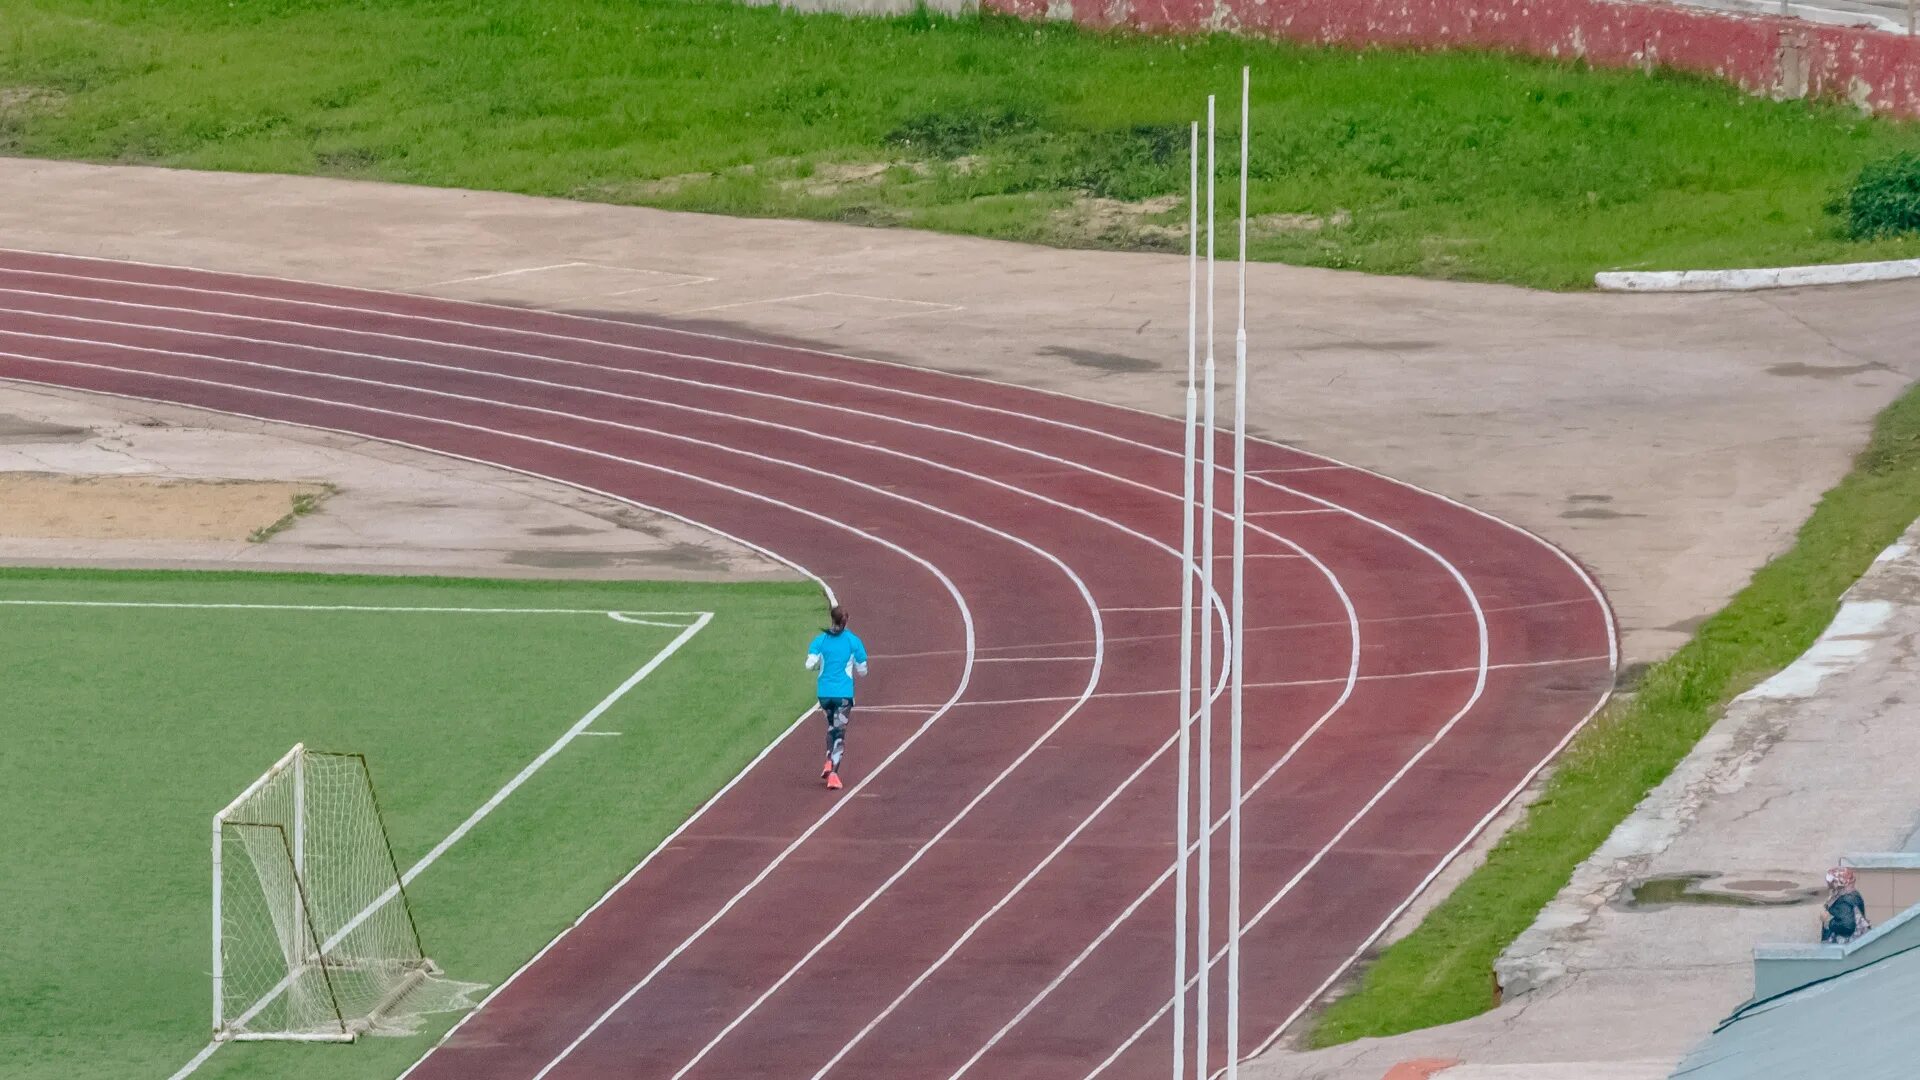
[[392, 511], [1772, 793]]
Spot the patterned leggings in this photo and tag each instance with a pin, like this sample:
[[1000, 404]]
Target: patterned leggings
[[837, 710]]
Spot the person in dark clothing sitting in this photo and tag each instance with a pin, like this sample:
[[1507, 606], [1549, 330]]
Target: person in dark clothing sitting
[[1846, 912]]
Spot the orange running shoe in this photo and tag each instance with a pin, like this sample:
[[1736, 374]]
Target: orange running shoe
[[827, 769], [833, 781]]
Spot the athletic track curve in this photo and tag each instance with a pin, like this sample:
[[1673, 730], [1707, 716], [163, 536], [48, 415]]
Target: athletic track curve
[[991, 896]]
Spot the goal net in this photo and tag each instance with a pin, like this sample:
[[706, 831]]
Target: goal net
[[312, 935]]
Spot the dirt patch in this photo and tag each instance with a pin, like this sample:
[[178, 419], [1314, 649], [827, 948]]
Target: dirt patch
[[49, 506], [20, 100], [1120, 222], [1269, 224]]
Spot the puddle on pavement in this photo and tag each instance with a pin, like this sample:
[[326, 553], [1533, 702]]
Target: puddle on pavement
[[1714, 891]]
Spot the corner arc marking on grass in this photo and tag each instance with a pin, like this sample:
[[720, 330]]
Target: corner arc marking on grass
[[433, 855]]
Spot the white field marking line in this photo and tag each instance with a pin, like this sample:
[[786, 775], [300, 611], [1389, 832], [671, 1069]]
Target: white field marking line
[[965, 612], [1479, 688], [1093, 608], [1205, 710], [1164, 607], [1291, 513], [1606, 610], [1579, 571], [618, 616], [1033, 659], [386, 896], [1295, 469], [359, 608]]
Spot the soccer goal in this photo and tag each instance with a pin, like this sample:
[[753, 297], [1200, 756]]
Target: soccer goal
[[312, 935]]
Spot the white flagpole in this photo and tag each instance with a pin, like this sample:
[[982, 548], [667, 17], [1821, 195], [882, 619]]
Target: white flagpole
[[1183, 837], [1239, 617], [1205, 937]]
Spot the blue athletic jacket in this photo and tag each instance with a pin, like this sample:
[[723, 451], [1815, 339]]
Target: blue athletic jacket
[[839, 657]]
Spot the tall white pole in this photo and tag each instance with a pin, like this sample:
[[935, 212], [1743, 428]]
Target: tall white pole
[[1239, 617], [1183, 833], [1205, 936]]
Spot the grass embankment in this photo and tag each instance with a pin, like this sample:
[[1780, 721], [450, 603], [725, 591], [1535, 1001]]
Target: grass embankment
[[1449, 165], [1440, 973], [129, 726]]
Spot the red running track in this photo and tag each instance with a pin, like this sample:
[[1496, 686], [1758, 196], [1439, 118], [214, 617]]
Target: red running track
[[991, 896]]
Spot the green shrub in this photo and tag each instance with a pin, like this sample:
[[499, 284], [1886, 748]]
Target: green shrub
[[1885, 199]]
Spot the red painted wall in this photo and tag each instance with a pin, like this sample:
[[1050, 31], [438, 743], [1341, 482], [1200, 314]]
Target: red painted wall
[[1766, 55]]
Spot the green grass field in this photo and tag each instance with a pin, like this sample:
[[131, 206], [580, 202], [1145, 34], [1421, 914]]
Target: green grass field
[[1450, 165], [128, 727]]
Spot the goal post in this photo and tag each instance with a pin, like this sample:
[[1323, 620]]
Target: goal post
[[313, 936]]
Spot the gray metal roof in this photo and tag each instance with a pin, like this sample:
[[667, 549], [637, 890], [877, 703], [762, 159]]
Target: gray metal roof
[[1862, 1025]]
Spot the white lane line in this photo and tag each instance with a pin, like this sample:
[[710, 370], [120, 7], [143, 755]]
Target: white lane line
[[579, 727], [357, 607], [1034, 659], [1266, 685], [1580, 573], [1291, 513]]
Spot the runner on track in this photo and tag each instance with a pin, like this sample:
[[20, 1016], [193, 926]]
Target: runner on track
[[839, 654]]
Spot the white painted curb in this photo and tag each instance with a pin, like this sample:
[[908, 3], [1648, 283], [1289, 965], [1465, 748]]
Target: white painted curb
[[1784, 277]]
